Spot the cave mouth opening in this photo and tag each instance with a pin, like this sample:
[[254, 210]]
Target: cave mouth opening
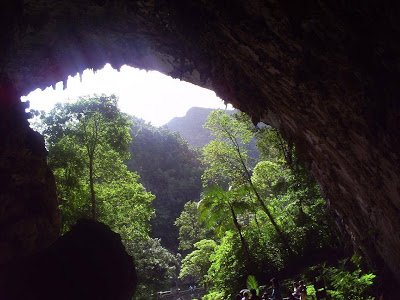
[[148, 98], [341, 144], [146, 94], [151, 96], [151, 99]]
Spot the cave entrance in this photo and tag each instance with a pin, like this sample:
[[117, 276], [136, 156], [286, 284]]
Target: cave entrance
[[325, 75], [112, 165], [157, 107], [149, 95]]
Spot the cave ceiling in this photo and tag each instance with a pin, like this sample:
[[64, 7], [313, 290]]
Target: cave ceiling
[[326, 73]]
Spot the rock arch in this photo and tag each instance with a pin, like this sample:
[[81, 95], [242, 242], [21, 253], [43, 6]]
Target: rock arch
[[324, 72]]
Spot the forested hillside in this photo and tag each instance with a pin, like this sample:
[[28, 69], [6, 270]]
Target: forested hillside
[[190, 126], [236, 219], [170, 170]]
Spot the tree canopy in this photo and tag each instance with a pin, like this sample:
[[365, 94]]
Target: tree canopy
[[170, 170], [88, 143], [238, 217], [266, 215]]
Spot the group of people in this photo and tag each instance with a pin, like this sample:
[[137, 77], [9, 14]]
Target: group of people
[[247, 294], [299, 292]]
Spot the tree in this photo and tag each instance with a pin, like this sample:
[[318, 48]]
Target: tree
[[125, 204], [196, 264], [216, 204], [253, 206], [170, 170], [273, 147], [230, 157], [88, 148], [155, 265], [227, 271], [97, 126], [190, 227], [231, 205]]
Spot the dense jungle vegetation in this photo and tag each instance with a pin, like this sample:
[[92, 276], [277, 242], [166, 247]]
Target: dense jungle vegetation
[[216, 217]]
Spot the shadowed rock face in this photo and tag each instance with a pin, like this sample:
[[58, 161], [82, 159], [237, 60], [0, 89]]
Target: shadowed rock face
[[29, 217], [89, 262], [324, 72]]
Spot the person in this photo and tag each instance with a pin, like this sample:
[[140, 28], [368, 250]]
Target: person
[[296, 291], [246, 295], [276, 291], [302, 290], [264, 296], [254, 296]]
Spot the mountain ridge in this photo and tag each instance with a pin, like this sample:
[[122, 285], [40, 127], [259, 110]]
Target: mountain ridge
[[190, 126]]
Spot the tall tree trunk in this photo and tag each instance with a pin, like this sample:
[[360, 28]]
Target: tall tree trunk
[[92, 193], [242, 239], [264, 207], [258, 225]]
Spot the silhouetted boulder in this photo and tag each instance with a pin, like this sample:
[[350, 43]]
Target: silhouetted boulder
[[89, 262]]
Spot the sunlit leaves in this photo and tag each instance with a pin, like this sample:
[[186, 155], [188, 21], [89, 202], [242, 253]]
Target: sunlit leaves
[[196, 264], [273, 206], [217, 206], [226, 127], [226, 158], [349, 283], [156, 266], [190, 228], [95, 126]]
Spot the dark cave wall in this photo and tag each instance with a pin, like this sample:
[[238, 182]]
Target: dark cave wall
[[324, 72], [29, 218]]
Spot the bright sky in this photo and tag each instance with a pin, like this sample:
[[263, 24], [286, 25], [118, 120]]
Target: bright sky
[[152, 96]]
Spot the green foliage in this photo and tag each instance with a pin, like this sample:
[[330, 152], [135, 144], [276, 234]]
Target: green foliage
[[251, 208], [234, 132], [297, 205], [227, 127], [252, 283], [196, 264], [270, 178], [349, 282], [170, 170], [311, 292], [156, 266], [90, 120], [227, 271], [214, 296], [92, 134], [88, 146], [125, 205], [190, 228], [217, 208], [225, 158], [222, 165], [270, 144], [82, 138]]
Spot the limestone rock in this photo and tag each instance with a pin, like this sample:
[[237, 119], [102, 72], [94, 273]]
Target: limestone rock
[[326, 73]]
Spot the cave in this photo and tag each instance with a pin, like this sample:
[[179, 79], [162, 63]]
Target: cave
[[325, 73]]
